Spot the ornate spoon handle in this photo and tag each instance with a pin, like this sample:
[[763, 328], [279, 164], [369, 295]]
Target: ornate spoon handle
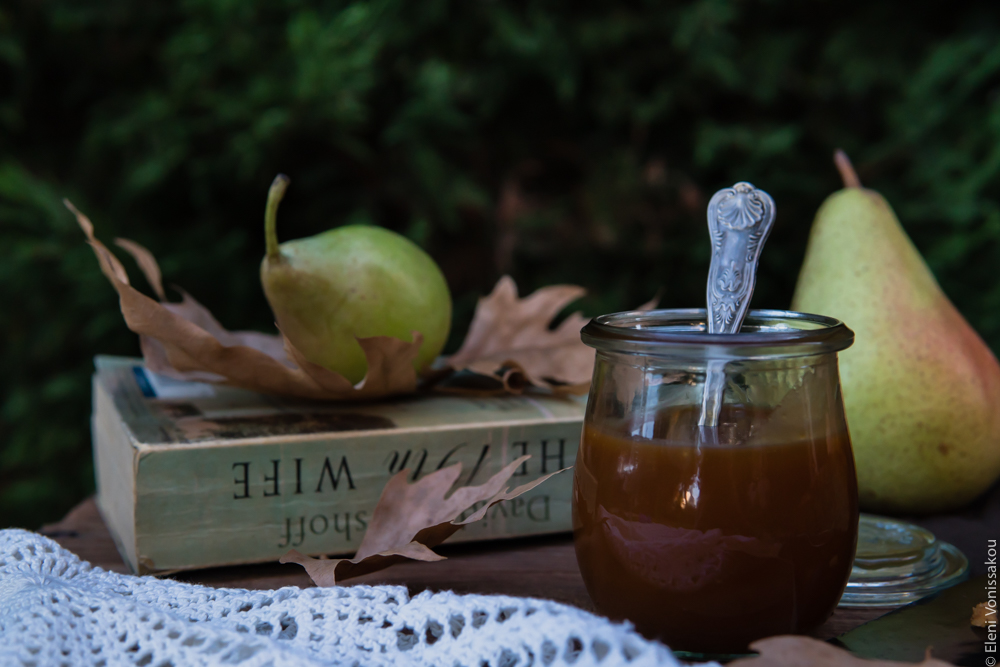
[[739, 221]]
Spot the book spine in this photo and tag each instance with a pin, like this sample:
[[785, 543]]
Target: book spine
[[222, 504]]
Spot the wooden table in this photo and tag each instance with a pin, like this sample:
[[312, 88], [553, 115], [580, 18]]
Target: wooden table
[[542, 567]]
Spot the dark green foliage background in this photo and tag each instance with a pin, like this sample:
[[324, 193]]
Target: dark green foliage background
[[559, 141]]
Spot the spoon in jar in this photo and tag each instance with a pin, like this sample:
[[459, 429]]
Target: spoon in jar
[[739, 221]]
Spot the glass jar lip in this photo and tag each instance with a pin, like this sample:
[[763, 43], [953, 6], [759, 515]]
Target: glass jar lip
[[682, 331]]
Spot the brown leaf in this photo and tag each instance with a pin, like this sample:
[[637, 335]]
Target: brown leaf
[[651, 304], [794, 651], [147, 264], [509, 341], [409, 520], [981, 615], [510, 333], [185, 341]]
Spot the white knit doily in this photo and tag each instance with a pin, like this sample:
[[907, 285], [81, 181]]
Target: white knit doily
[[56, 609]]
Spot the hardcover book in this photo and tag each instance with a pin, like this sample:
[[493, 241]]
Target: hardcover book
[[194, 475]]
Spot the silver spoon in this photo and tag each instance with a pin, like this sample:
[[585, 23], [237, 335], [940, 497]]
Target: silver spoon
[[739, 221]]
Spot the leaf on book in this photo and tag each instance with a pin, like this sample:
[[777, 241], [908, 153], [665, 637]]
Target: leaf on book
[[794, 651], [509, 347], [409, 520], [184, 340], [510, 340]]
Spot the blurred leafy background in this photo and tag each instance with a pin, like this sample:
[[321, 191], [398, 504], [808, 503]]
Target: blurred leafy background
[[558, 141]]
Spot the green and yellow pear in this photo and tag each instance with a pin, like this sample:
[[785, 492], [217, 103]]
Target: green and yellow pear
[[352, 282], [921, 388]]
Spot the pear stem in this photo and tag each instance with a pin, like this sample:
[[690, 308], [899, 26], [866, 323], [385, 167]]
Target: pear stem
[[274, 196], [846, 169]]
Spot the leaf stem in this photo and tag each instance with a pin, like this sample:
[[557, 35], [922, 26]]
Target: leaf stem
[[274, 196], [846, 169]]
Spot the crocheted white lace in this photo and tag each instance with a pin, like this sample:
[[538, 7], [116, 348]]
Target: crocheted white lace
[[56, 609]]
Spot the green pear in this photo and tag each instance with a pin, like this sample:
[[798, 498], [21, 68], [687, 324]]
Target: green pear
[[352, 282], [921, 388]]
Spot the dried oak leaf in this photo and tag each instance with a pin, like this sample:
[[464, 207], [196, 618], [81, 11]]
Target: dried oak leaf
[[183, 340], [794, 651], [981, 615], [409, 520], [510, 342], [510, 339]]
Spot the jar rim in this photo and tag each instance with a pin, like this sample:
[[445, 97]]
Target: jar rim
[[684, 331]]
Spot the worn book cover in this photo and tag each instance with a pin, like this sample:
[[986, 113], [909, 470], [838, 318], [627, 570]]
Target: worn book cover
[[195, 475]]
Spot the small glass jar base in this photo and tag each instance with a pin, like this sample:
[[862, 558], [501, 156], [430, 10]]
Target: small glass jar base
[[898, 563]]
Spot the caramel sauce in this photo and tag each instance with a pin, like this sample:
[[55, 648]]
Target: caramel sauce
[[708, 541]]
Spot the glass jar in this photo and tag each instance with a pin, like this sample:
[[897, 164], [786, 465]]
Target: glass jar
[[708, 538]]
